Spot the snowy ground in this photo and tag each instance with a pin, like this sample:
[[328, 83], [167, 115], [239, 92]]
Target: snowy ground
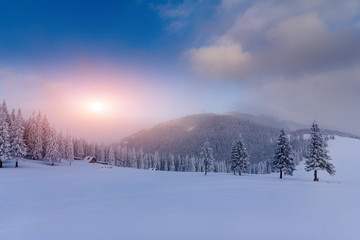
[[84, 201]]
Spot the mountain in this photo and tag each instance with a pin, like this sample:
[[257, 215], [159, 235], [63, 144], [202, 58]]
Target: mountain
[[186, 135]]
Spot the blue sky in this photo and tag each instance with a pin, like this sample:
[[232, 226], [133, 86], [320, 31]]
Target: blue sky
[[296, 60]]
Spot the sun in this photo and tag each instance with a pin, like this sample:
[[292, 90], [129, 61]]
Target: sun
[[97, 106]]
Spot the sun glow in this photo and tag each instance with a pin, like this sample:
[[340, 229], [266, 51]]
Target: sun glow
[[97, 106]]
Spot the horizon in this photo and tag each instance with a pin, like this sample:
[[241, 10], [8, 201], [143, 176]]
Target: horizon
[[105, 71]]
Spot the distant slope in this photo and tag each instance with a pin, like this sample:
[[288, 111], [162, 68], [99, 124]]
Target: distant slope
[[186, 135]]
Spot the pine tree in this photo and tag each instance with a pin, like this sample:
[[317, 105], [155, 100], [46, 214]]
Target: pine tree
[[92, 151], [12, 130], [18, 146], [38, 147], [171, 162], [283, 160], [111, 157], [166, 163], [69, 149], [52, 150], [5, 147], [132, 158], [192, 164], [34, 136], [80, 148], [118, 155], [156, 162], [240, 157], [61, 145], [207, 156], [317, 157], [46, 129], [6, 113], [234, 157]]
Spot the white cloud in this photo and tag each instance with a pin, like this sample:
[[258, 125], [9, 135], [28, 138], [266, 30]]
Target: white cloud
[[289, 39], [223, 58]]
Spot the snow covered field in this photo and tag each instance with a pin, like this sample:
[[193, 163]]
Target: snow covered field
[[84, 201]]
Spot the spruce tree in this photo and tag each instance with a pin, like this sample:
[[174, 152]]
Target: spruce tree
[[234, 157], [52, 150], [69, 149], [317, 157], [18, 147], [80, 148], [239, 156], [12, 130], [46, 129], [207, 156], [283, 160], [38, 147], [34, 136], [61, 145], [111, 158], [156, 161], [171, 162], [5, 147]]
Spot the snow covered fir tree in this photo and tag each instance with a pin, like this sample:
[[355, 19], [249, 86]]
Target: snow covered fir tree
[[283, 160], [207, 156], [239, 157], [5, 147], [33, 138], [317, 157]]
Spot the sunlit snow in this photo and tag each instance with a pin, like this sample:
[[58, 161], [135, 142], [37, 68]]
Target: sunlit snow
[[85, 201]]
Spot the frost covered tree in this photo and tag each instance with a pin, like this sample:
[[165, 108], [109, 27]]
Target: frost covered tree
[[34, 136], [46, 129], [5, 147], [38, 148], [92, 151], [52, 150], [80, 148], [69, 148], [61, 145], [156, 161], [166, 163], [171, 162], [240, 157], [317, 157], [207, 156], [283, 160], [234, 157], [111, 156], [192, 164], [132, 158], [118, 155], [18, 146], [12, 130]]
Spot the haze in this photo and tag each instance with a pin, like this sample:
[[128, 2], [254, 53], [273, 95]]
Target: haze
[[150, 61]]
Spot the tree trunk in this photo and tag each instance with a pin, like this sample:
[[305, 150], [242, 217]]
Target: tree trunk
[[316, 179], [205, 169], [234, 171], [70, 163], [52, 164], [16, 164], [280, 174], [0, 164], [239, 172]]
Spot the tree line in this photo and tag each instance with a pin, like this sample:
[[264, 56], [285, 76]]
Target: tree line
[[35, 138], [317, 157]]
